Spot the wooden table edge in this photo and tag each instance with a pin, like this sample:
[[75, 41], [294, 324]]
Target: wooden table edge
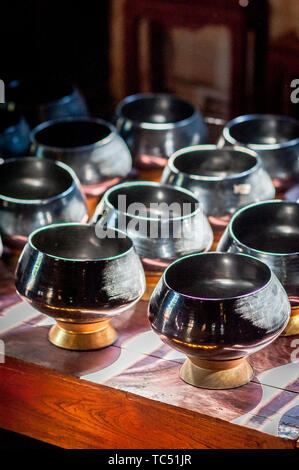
[[146, 423]]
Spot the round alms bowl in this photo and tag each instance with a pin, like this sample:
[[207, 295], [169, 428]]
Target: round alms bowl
[[217, 308], [43, 99], [155, 125], [223, 179], [164, 222], [68, 273], [274, 138], [14, 134], [92, 147], [269, 231], [34, 193]]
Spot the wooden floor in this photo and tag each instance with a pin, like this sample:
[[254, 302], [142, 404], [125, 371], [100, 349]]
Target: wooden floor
[[130, 395]]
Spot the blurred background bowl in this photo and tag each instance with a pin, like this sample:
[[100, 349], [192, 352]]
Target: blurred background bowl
[[223, 179], [42, 99], [34, 193], [217, 308], [92, 147], [274, 138], [163, 221], [269, 231], [157, 248], [82, 282], [155, 125], [14, 133]]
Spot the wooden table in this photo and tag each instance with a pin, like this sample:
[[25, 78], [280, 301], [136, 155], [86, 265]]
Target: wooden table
[[129, 395]]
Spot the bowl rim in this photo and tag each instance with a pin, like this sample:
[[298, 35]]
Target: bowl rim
[[75, 182], [153, 184], [195, 148], [249, 206], [152, 125], [217, 299], [251, 117], [79, 148], [78, 260]]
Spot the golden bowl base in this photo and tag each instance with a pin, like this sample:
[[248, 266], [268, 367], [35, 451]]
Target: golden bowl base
[[92, 203], [215, 242], [152, 279], [218, 229], [150, 174], [82, 336], [292, 327], [216, 375]]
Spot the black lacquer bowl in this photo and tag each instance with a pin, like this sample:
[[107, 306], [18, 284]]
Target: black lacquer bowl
[[274, 138], [43, 99], [223, 179], [68, 273], [155, 125], [14, 134], [92, 147], [269, 231], [164, 222], [34, 193], [217, 308]]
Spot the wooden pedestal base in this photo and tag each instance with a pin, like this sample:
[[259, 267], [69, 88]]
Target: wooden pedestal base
[[82, 336], [151, 174], [292, 327], [217, 236], [152, 279], [218, 375], [92, 203], [218, 225]]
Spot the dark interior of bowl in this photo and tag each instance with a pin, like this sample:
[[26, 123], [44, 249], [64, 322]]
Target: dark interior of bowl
[[217, 276], [154, 201], [32, 178], [217, 162], [79, 242], [158, 110], [75, 133], [270, 227], [265, 130]]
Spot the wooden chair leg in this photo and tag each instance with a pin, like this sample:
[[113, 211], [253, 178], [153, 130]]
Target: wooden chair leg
[[238, 70], [261, 43], [238, 24], [157, 41], [131, 53]]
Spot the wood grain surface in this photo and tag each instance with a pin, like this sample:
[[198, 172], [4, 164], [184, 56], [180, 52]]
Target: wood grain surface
[[72, 413], [130, 395]]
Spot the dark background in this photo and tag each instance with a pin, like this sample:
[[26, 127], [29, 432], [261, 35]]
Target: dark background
[[65, 41], [62, 41]]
